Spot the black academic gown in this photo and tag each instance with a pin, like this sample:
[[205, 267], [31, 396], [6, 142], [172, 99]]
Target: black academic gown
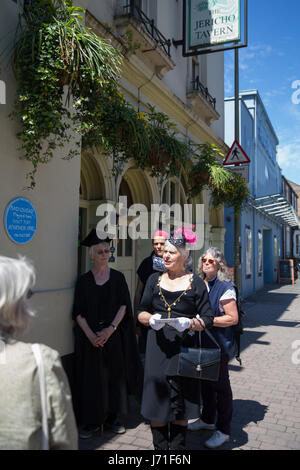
[[104, 377]]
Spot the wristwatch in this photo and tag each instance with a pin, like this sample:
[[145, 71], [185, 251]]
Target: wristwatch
[[114, 327]]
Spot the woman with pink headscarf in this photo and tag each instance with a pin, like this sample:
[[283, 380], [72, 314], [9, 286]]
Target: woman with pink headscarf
[[169, 401]]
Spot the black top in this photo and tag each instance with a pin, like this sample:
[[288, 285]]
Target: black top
[[195, 301], [165, 397], [104, 376], [92, 301], [145, 269]]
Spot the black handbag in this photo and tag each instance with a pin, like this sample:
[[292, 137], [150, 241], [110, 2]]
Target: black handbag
[[200, 363]]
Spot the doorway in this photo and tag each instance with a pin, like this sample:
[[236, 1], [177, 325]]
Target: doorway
[[267, 256]]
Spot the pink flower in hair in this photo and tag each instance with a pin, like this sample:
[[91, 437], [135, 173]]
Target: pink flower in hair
[[188, 235]]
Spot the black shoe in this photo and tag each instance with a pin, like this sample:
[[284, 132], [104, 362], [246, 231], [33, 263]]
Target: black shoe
[[116, 427], [88, 431], [177, 437], [160, 436]]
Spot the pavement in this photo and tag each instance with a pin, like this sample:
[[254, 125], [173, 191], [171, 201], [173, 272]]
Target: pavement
[[266, 398]]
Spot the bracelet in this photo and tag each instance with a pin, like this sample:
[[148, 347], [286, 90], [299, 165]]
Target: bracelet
[[198, 318], [114, 327]]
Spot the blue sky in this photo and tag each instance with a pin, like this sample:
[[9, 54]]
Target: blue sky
[[271, 64]]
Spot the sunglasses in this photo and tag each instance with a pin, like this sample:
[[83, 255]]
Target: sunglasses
[[104, 252], [210, 261]]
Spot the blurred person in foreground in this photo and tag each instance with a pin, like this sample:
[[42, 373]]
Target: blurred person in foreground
[[20, 394]]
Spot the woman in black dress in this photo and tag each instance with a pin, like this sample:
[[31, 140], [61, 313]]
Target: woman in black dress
[[179, 295], [107, 364]]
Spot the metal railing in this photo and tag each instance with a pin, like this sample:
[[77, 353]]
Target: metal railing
[[198, 86], [133, 10]]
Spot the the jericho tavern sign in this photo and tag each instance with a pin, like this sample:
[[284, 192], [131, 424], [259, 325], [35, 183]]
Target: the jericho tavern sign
[[213, 22]]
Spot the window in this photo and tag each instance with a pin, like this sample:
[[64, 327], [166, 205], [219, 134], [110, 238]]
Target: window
[[248, 234], [195, 70], [297, 245], [275, 247], [288, 243], [259, 252]]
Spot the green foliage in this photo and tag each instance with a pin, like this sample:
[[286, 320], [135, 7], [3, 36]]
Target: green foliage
[[235, 193], [226, 187], [207, 169], [113, 123], [54, 49], [166, 154]]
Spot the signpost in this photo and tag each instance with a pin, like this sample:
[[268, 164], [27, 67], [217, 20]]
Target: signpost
[[238, 161], [213, 26], [242, 170], [286, 270], [213, 22], [236, 155]]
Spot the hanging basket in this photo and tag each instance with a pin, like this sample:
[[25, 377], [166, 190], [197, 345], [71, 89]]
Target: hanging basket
[[199, 179], [158, 158]]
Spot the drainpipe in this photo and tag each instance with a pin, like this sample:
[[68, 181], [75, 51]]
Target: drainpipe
[[139, 88]]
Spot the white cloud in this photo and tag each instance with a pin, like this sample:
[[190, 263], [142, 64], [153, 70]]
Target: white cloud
[[288, 155]]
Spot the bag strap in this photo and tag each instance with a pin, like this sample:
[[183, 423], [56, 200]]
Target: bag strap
[[210, 336], [42, 381]]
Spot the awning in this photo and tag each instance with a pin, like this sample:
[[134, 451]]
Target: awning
[[278, 208]]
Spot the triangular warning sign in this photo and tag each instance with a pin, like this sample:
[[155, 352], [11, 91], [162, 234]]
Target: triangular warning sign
[[236, 155]]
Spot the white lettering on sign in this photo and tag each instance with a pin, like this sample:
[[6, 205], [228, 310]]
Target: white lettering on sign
[[213, 22]]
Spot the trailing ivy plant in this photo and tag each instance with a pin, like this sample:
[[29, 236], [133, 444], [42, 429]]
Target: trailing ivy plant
[[54, 49], [114, 124], [167, 154]]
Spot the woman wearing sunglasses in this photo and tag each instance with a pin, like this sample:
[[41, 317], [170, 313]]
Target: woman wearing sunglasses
[[217, 396]]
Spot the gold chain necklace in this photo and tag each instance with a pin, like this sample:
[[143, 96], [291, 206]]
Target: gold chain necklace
[[169, 306]]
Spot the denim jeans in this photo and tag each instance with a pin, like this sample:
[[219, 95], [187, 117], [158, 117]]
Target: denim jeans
[[217, 399]]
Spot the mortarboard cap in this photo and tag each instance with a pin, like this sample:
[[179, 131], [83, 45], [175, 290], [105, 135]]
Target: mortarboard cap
[[93, 239]]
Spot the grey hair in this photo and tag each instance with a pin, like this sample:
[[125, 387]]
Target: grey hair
[[188, 263], [91, 249], [218, 256], [17, 276]]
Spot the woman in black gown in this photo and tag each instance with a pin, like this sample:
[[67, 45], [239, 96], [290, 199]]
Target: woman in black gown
[[180, 295], [107, 364]]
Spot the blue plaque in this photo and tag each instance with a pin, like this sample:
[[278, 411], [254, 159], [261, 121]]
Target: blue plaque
[[20, 220]]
